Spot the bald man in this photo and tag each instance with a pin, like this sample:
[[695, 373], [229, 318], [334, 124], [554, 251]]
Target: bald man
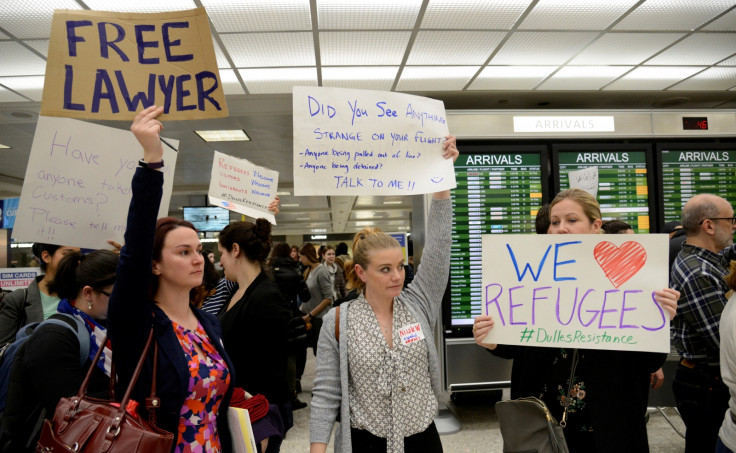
[[698, 273]]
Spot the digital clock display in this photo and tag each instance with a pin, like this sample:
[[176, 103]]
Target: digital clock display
[[698, 123]]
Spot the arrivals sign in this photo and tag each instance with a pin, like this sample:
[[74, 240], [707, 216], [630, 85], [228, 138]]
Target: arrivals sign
[[108, 66]]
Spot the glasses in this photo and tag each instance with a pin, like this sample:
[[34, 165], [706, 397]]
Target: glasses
[[732, 219], [103, 292]]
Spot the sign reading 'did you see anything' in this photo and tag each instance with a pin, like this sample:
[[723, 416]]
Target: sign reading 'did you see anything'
[[585, 291], [77, 187], [106, 65], [358, 142], [240, 186]]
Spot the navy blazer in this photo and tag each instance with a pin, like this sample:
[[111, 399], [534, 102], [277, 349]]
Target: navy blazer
[[131, 314]]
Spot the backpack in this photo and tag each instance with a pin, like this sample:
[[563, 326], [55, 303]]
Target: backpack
[[9, 352]]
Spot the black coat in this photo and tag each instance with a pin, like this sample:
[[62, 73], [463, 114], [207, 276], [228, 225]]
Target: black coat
[[289, 280]]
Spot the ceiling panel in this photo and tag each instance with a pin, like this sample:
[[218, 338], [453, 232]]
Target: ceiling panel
[[473, 14], [8, 96], [574, 14], [230, 82], [583, 77], [4, 36], [711, 79], [363, 48], [220, 55], [41, 46], [29, 86], [652, 78], [727, 22], [624, 48], [673, 15], [140, 6], [698, 49], [511, 77], [230, 16], [374, 15], [277, 80], [18, 61], [253, 50], [435, 78], [729, 62], [364, 78], [541, 48], [453, 47], [31, 19]]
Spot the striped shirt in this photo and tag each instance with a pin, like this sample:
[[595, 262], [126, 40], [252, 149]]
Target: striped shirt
[[223, 292]]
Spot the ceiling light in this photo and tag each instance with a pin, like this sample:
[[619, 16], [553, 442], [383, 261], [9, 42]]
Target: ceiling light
[[283, 193], [236, 135], [302, 218], [4, 146], [290, 205], [392, 202]]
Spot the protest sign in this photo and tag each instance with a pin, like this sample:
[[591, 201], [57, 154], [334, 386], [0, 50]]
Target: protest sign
[[12, 278], [359, 142], [240, 186], [105, 65], [77, 186], [586, 179], [577, 291]]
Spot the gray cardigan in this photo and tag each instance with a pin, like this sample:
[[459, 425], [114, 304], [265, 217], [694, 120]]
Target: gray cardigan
[[13, 306], [320, 288], [423, 299]]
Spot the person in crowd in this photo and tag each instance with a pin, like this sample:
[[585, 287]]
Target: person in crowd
[[341, 251], [37, 302], [293, 287], [383, 386], [322, 295], [698, 273], [47, 367], [616, 227], [726, 442], [610, 387], [541, 222], [677, 238], [321, 253], [210, 255], [160, 263], [208, 288], [337, 274]]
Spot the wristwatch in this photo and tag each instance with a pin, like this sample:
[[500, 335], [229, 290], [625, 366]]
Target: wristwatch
[[151, 165]]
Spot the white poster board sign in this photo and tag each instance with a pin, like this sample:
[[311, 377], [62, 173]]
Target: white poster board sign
[[586, 179], [77, 186], [241, 186], [576, 291], [12, 278], [359, 142]]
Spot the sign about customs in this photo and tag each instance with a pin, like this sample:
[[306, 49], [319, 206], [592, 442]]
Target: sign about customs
[[77, 186], [358, 142], [105, 65], [577, 291], [240, 186]]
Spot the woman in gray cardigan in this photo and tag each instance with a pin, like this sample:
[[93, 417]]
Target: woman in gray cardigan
[[379, 373]]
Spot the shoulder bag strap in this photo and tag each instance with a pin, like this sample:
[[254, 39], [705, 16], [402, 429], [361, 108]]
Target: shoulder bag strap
[[574, 365], [337, 323]]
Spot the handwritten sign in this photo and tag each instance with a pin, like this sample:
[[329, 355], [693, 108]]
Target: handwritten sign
[[77, 186], [240, 186], [104, 65], [586, 179], [358, 142], [576, 291], [12, 278]]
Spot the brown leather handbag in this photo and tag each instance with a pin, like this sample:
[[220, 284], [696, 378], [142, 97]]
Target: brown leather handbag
[[83, 424]]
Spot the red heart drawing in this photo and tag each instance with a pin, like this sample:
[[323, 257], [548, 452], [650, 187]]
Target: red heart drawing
[[620, 263]]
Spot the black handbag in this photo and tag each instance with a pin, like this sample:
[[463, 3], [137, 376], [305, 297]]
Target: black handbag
[[528, 426], [298, 329]]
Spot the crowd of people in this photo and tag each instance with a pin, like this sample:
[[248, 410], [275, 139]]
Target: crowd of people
[[238, 331]]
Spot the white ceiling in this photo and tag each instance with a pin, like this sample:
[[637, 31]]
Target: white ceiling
[[472, 54]]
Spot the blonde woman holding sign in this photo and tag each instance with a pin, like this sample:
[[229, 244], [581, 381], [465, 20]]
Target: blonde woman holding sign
[[379, 370], [608, 396]]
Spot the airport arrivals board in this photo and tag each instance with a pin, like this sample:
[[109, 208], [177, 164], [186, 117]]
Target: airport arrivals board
[[496, 193], [623, 189], [689, 172]]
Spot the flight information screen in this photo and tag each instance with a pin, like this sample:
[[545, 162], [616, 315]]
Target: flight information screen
[[495, 194], [689, 172], [623, 188]]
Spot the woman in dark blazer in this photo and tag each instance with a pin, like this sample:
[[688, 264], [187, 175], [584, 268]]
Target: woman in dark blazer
[[159, 265]]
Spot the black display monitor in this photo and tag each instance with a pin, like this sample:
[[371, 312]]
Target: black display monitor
[[207, 218], [499, 190], [625, 179], [687, 169]]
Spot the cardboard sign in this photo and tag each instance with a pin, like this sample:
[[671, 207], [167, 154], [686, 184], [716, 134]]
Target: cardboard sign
[[358, 142], [12, 278], [105, 65], [77, 186], [589, 291], [240, 186]]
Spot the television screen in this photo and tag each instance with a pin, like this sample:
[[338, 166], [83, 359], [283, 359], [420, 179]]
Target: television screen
[[207, 218]]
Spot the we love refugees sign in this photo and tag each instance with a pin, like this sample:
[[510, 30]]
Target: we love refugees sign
[[577, 291]]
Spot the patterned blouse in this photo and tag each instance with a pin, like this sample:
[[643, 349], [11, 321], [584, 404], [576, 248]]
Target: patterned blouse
[[208, 383], [390, 391]]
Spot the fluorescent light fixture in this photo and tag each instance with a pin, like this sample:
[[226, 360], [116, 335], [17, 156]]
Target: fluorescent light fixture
[[302, 218], [235, 135], [209, 240], [4, 146], [393, 202], [319, 230], [283, 193], [290, 205]]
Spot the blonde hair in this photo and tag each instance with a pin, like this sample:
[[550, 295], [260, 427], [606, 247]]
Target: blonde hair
[[364, 242], [731, 277], [585, 200]]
